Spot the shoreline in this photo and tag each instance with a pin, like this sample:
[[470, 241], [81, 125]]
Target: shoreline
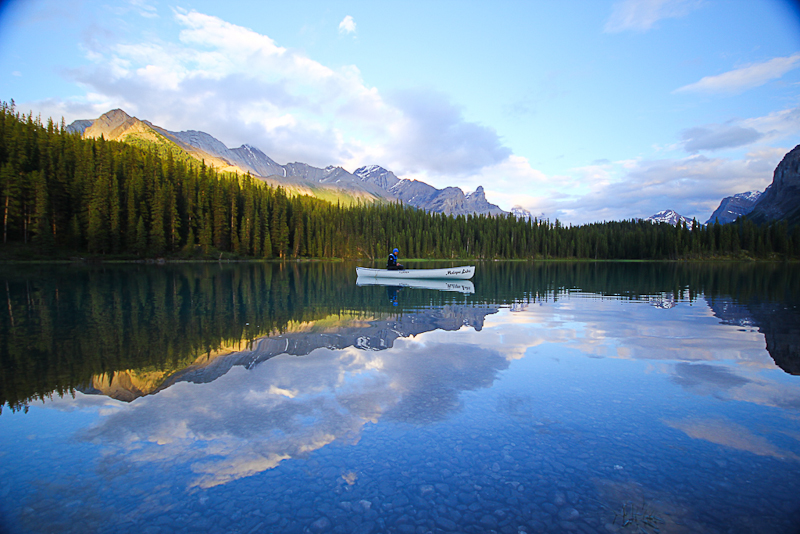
[[165, 261]]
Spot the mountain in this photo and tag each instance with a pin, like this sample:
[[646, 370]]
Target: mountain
[[245, 157], [251, 157], [450, 200], [521, 213], [329, 184], [370, 183], [731, 208], [669, 216], [116, 125], [79, 126], [781, 200], [334, 176], [378, 176]]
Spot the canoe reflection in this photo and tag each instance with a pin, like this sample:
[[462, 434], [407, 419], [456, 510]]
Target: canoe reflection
[[460, 286]]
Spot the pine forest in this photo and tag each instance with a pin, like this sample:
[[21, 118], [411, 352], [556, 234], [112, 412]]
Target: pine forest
[[91, 196]]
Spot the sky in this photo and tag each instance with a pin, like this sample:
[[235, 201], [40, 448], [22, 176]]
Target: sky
[[582, 111]]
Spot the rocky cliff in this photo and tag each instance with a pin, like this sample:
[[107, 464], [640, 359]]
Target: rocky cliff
[[252, 158], [781, 200]]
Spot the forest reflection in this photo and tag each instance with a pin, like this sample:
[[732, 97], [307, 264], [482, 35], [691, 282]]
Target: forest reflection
[[130, 330]]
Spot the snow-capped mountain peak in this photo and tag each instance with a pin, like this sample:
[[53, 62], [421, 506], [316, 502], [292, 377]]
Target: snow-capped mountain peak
[[752, 196], [375, 174], [731, 208], [521, 213], [669, 216], [365, 172]]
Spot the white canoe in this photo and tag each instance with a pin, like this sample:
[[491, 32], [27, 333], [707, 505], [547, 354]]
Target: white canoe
[[449, 273], [460, 286]]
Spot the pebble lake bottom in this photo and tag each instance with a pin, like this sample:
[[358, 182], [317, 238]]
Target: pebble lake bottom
[[571, 410]]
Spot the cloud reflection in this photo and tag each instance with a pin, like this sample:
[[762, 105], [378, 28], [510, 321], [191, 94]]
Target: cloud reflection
[[431, 378], [727, 384], [687, 337], [616, 328], [251, 410], [724, 432], [703, 378], [245, 422]]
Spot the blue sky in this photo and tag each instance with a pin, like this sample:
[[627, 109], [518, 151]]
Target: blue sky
[[578, 110]]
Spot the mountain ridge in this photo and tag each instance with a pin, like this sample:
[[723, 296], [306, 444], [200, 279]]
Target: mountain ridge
[[116, 125], [733, 207], [450, 200], [371, 183], [781, 200]]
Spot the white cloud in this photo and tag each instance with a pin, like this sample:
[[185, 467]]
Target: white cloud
[[144, 9], [641, 15], [777, 126], [743, 78], [242, 87], [433, 135], [124, 9], [718, 136], [348, 25], [692, 186]]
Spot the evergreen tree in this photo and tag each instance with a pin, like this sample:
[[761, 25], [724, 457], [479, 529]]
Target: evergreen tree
[[10, 188], [158, 240], [141, 237], [41, 230]]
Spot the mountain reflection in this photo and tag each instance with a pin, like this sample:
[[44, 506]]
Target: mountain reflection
[[778, 321], [132, 330], [300, 339], [248, 421]]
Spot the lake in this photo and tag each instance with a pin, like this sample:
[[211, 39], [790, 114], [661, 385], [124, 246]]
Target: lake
[[546, 397]]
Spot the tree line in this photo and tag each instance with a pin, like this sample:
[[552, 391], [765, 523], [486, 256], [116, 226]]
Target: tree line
[[101, 197]]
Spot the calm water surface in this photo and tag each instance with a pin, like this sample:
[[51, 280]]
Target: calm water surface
[[561, 397]]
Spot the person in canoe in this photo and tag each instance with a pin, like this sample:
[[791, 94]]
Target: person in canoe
[[392, 264]]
